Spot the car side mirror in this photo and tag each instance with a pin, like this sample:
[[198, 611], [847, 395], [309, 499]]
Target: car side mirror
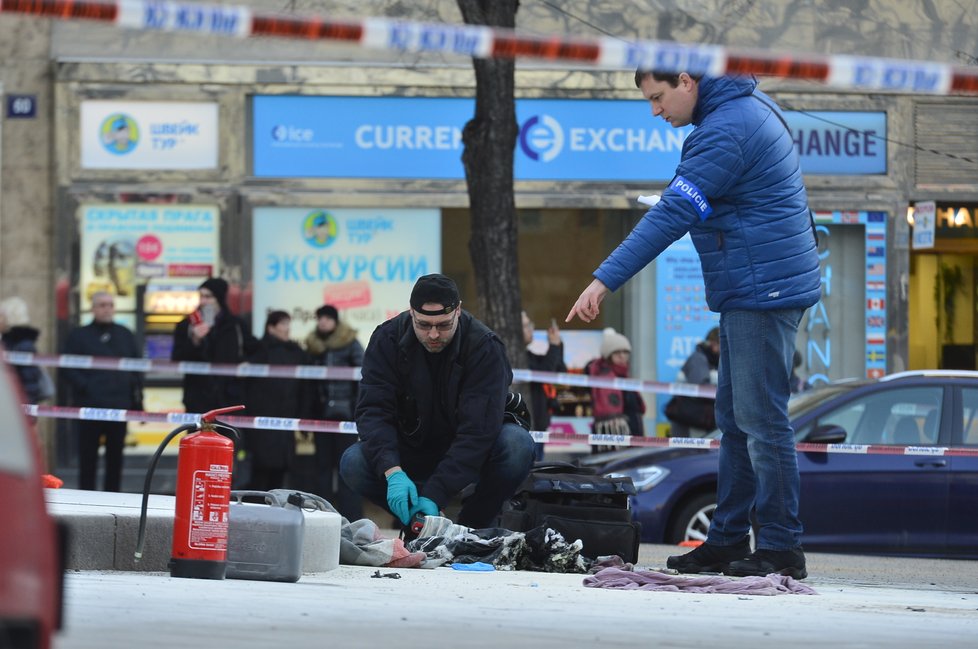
[[826, 434]]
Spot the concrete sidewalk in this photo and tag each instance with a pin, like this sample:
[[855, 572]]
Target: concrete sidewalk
[[349, 608], [861, 602]]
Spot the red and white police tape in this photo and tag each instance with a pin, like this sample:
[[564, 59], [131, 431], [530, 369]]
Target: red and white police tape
[[841, 71], [180, 418], [350, 428], [320, 372]]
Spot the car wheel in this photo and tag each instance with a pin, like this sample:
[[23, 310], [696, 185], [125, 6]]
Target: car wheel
[[693, 521]]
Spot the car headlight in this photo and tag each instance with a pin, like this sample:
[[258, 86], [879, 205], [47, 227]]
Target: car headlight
[[643, 477]]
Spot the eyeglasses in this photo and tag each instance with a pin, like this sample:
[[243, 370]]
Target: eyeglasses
[[440, 326]]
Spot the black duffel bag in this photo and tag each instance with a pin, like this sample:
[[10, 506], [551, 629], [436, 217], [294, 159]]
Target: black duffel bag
[[579, 504]]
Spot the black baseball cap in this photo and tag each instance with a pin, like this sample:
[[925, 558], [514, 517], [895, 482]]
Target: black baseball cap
[[435, 289]]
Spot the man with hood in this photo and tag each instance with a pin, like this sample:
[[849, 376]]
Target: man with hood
[[212, 334], [334, 343], [738, 191]]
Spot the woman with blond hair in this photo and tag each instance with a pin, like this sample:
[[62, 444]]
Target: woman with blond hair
[[17, 335]]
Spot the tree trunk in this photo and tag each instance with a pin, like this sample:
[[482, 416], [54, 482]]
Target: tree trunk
[[490, 140]]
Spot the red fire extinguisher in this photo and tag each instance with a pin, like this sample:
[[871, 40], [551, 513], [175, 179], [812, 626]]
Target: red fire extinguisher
[[200, 524]]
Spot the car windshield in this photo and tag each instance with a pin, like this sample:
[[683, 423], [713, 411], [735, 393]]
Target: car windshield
[[802, 402]]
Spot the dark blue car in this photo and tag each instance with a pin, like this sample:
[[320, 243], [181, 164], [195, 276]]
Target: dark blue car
[[921, 504]]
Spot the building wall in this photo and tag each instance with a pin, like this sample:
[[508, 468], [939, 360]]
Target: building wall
[[25, 174], [62, 62]]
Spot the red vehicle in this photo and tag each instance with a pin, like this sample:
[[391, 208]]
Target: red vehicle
[[31, 572]]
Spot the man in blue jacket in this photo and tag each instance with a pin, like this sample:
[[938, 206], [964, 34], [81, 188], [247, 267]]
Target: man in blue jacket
[[738, 191], [430, 413]]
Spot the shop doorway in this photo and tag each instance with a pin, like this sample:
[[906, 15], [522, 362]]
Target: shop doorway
[[942, 308]]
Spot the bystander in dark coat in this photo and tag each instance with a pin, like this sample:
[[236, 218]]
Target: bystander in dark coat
[[218, 337], [334, 343], [271, 452], [551, 361], [103, 389]]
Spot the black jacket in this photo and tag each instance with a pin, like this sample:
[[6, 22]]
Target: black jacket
[[24, 339], [335, 400], [552, 361], [104, 388], [396, 416], [275, 397], [228, 341]]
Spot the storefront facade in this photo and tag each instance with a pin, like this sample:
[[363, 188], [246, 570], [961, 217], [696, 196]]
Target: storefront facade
[[323, 188]]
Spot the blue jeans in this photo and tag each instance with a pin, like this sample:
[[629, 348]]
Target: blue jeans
[[508, 464], [758, 463]]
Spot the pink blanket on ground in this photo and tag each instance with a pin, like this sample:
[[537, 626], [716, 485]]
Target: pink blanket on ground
[[651, 580]]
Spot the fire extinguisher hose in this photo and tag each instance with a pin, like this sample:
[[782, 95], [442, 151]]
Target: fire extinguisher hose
[[149, 479]]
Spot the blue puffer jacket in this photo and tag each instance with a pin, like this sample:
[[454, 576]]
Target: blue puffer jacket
[[738, 191]]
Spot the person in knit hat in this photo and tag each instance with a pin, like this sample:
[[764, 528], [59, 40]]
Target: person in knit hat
[[218, 289], [212, 334], [616, 412], [612, 341], [334, 343]]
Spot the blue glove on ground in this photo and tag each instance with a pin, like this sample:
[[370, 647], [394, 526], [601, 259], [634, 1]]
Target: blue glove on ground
[[402, 495], [425, 506]]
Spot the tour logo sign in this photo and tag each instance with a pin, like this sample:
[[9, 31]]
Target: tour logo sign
[[119, 133], [319, 229]]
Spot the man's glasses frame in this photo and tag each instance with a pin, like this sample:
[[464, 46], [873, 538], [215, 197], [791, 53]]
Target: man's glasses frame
[[446, 326]]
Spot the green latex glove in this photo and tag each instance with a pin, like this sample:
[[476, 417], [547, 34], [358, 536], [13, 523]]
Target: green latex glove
[[402, 495], [425, 506]]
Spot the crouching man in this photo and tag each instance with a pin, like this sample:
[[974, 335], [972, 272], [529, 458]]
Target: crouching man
[[430, 413]]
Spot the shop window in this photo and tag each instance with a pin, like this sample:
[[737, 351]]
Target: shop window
[[558, 251]]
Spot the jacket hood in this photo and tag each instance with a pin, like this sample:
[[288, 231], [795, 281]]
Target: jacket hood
[[717, 90], [342, 336], [19, 333]]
